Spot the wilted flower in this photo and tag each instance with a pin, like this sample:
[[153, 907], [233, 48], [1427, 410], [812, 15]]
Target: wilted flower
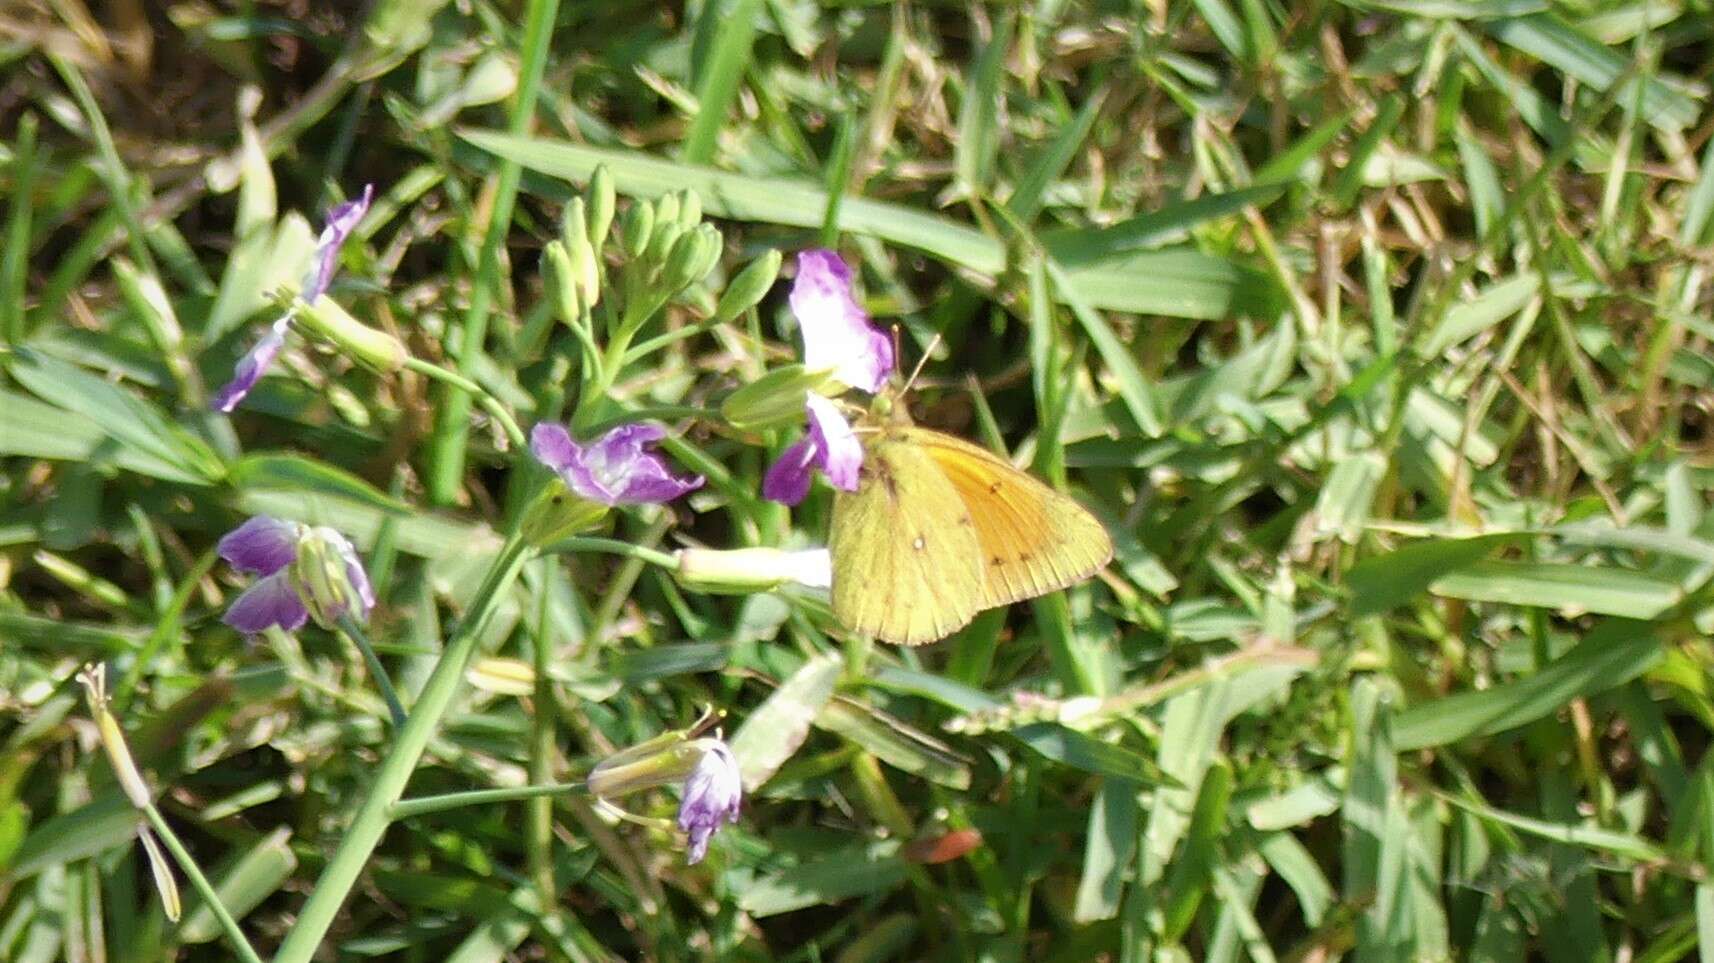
[[618, 468], [305, 571], [829, 445], [713, 784], [341, 221], [837, 335], [712, 795]]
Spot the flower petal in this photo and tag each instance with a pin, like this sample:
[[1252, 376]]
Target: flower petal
[[271, 601], [341, 221], [838, 452], [837, 335], [620, 467], [354, 573], [787, 480], [552, 446], [262, 545], [249, 369]]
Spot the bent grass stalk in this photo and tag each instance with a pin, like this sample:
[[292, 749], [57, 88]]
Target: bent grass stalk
[[376, 813]]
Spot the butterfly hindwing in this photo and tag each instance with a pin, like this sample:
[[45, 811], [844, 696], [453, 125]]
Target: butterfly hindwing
[[1033, 540], [905, 569]]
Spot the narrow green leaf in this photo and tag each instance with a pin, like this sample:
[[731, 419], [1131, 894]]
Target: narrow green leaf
[[1614, 653], [252, 878], [1041, 170], [1603, 590], [297, 473], [1108, 850], [1562, 46], [1079, 751], [1388, 581], [839, 875], [1167, 225], [778, 726], [720, 76], [979, 111]]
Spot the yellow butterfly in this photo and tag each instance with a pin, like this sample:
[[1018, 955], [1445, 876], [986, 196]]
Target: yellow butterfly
[[940, 529]]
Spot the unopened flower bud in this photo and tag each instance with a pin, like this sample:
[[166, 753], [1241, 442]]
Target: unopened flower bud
[[667, 210], [692, 257], [586, 269], [750, 286], [689, 209], [667, 233], [559, 275], [574, 220], [601, 203], [637, 227]]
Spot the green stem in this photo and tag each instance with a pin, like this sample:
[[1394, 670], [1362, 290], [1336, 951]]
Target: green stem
[[374, 815], [489, 403], [538, 828], [613, 546], [349, 627], [446, 461], [423, 805], [240, 945]]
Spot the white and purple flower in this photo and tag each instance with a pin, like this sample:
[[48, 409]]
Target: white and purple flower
[[713, 793], [829, 445], [341, 221], [837, 337], [619, 468], [305, 571]]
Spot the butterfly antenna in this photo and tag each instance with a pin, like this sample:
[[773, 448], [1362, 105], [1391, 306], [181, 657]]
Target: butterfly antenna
[[933, 343]]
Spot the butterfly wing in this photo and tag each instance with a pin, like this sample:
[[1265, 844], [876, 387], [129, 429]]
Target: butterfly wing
[[907, 564], [1033, 539]]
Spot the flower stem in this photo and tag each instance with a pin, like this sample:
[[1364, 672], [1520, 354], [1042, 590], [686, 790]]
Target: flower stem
[[240, 946], [615, 547], [423, 805], [538, 820], [489, 403], [350, 629], [375, 813]]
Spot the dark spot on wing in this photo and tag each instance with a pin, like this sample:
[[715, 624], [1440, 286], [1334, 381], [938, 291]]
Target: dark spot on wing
[[964, 520], [1023, 556], [994, 487], [996, 561]]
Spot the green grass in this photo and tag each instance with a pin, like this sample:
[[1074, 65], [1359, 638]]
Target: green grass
[[1376, 333]]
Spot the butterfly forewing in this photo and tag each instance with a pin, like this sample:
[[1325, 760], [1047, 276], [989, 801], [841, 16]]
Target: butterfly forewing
[[905, 569], [1033, 540]]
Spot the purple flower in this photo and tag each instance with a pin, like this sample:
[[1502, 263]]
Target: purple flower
[[341, 220], [837, 335], [830, 445], [304, 571], [712, 795], [618, 468]]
